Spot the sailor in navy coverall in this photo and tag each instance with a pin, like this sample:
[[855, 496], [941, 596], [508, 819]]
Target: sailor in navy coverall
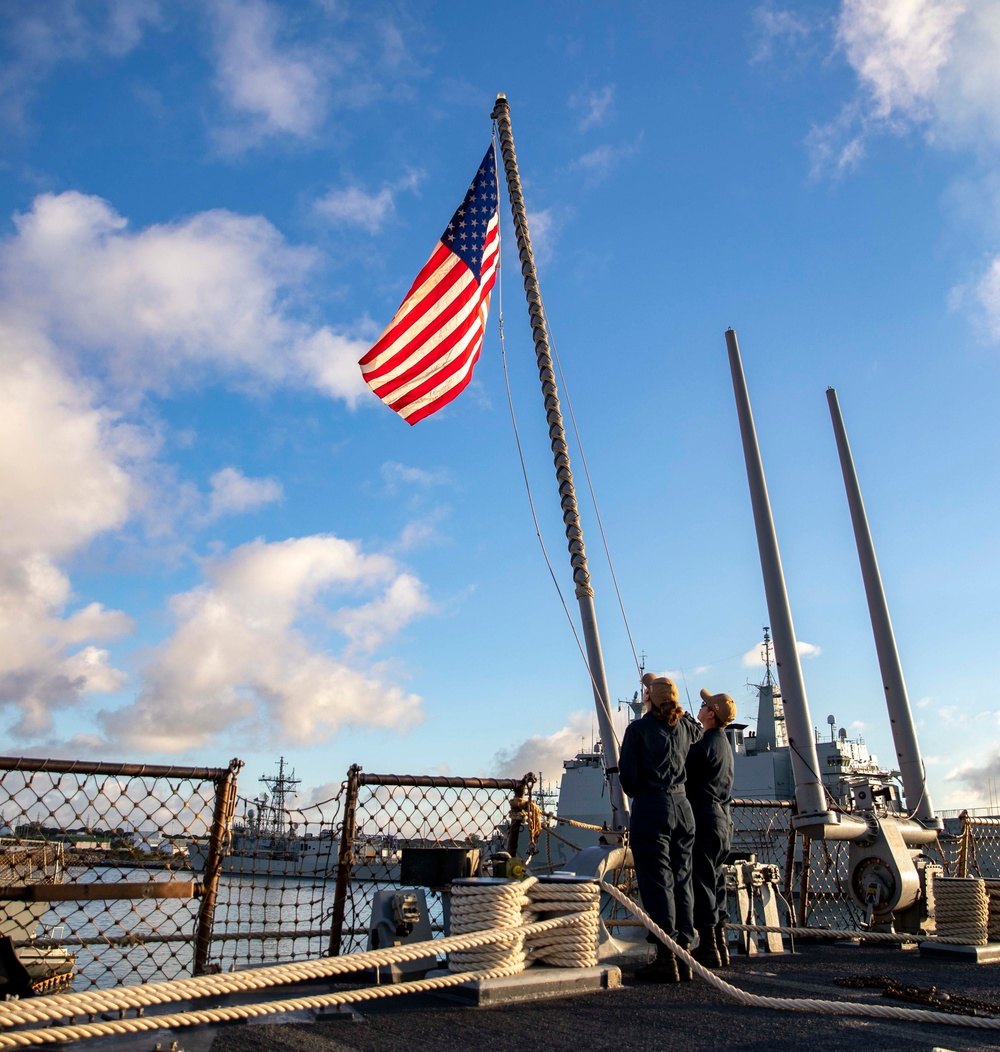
[[709, 786], [661, 830]]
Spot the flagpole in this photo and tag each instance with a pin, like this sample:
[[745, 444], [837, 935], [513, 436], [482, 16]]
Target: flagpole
[[560, 452]]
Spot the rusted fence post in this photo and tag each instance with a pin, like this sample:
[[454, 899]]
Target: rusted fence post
[[222, 820], [345, 860], [518, 807], [964, 844]]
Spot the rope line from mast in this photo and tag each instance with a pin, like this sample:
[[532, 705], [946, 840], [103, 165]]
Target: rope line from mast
[[524, 467], [590, 487]]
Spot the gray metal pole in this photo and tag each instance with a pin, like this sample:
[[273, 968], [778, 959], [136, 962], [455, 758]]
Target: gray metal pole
[[564, 476], [904, 735], [810, 796]]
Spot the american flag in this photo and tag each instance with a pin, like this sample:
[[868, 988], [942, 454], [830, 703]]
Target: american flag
[[425, 357]]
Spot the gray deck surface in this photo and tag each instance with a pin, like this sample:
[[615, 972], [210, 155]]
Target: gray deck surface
[[690, 1017]]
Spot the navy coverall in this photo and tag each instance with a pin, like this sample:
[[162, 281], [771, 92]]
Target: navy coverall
[[651, 766], [709, 786]]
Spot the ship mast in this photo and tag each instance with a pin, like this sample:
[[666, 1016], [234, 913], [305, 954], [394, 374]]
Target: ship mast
[[771, 733], [564, 475], [281, 786], [904, 735], [814, 817]]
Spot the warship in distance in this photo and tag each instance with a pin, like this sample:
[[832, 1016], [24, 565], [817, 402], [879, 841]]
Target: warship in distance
[[850, 774], [266, 843]]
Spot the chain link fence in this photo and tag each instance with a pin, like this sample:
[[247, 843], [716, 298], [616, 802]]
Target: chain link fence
[[414, 829], [128, 873], [95, 867], [977, 847]]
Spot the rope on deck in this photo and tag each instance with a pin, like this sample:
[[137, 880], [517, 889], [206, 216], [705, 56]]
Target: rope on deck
[[962, 909], [568, 936], [850, 935], [797, 1004]]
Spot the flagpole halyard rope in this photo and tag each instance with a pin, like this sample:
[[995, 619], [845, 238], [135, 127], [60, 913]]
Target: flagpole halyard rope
[[560, 452]]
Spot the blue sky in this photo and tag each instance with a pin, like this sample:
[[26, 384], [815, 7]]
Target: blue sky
[[217, 543]]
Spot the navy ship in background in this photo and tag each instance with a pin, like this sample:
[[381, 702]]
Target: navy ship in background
[[850, 774]]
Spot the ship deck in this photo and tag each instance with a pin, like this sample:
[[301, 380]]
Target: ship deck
[[637, 1016]]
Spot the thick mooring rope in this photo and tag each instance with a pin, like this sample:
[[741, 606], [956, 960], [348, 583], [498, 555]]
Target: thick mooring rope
[[476, 906], [570, 907], [789, 1004], [480, 907], [94, 1002], [962, 909], [575, 944], [993, 890]]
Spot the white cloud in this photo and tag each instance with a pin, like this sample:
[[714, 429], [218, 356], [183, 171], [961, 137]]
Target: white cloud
[[367, 627], [275, 87], [242, 654], [61, 481], [396, 474], [39, 35], [597, 106], [233, 493], [898, 48], [542, 227], [351, 206], [754, 657], [772, 26], [40, 668], [602, 160], [980, 778], [172, 303], [987, 296], [545, 753], [925, 64]]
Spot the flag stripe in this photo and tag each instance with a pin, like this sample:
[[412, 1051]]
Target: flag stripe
[[434, 281], [452, 327], [426, 355], [457, 350], [433, 314], [429, 311]]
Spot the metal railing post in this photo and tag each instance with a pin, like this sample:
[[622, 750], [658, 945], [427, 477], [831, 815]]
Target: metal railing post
[[222, 819], [345, 859], [963, 845]]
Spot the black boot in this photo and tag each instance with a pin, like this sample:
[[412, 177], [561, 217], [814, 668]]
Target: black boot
[[722, 943], [707, 952], [683, 968], [662, 970]]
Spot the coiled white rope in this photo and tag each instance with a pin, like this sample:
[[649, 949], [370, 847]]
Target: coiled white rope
[[789, 1004], [993, 890], [483, 906], [477, 905], [962, 909], [575, 944]]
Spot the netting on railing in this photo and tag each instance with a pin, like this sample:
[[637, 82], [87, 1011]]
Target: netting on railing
[[277, 881], [762, 828], [981, 838], [96, 867], [402, 821]]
